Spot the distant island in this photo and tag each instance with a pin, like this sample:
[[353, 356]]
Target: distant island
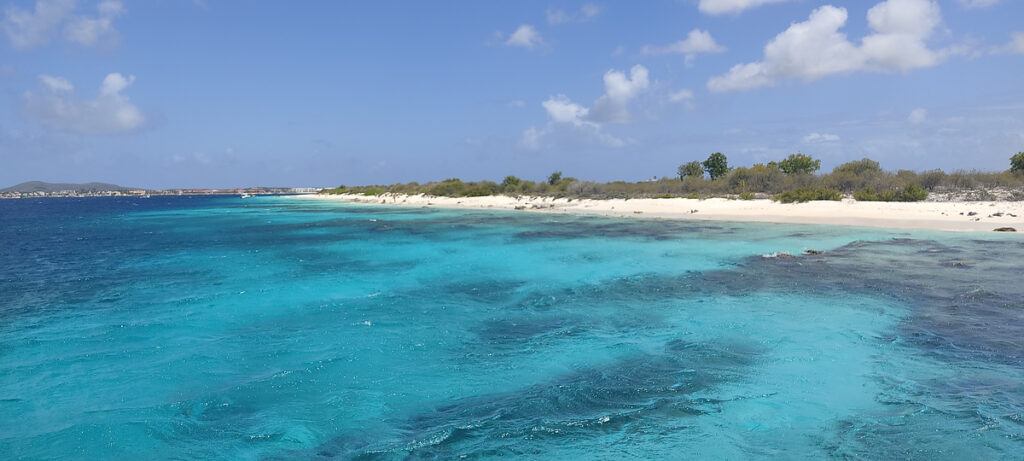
[[36, 189]]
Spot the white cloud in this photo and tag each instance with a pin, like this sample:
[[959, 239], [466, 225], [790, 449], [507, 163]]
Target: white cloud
[[821, 138], [109, 112], [561, 109], [567, 119], [816, 48], [681, 96], [525, 36], [90, 31], [618, 91], [969, 4], [696, 42], [586, 12], [27, 29], [731, 6], [1016, 44], [917, 116]]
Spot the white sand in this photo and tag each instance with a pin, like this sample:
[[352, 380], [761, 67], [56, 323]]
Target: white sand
[[949, 216]]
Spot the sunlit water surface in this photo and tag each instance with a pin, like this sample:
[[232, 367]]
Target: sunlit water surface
[[281, 328]]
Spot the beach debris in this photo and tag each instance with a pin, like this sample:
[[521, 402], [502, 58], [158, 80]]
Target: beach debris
[[1004, 229], [998, 214], [637, 212], [693, 211], [813, 252], [521, 207], [972, 213]]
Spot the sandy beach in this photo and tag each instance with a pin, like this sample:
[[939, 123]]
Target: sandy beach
[[946, 216]]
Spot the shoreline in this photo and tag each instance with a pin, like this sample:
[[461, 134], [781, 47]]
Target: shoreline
[[941, 216]]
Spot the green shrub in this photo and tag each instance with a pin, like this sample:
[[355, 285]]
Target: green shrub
[[910, 193], [806, 194], [747, 196]]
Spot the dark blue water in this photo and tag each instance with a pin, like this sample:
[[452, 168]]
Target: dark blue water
[[281, 328]]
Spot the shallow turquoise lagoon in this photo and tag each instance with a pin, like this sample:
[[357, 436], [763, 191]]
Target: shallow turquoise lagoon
[[281, 328]]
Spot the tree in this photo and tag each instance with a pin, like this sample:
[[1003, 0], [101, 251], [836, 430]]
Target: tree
[[1017, 163], [859, 167], [716, 165], [693, 169], [555, 178], [510, 181], [799, 164]]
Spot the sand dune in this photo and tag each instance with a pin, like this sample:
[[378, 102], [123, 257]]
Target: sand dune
[[950, 216]]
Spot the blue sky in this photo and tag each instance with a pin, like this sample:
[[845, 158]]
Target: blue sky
[[214, 93]]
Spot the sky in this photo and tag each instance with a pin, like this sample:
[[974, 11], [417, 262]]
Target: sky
[[211, 93]]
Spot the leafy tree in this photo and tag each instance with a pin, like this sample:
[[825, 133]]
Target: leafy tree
[[859, 167], [799, 164], [510, 181], [694, 169], [555, 178], [716, 165], [1017, 163]]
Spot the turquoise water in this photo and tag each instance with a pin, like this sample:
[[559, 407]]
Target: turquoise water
[[277, 328]]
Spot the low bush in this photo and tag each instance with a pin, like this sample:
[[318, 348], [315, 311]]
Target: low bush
[[910, 193], [807, 194]]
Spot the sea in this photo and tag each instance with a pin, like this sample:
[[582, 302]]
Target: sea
[[281, 328]]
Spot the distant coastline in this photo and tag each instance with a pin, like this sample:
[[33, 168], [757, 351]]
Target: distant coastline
[[969, 216], [39, 189]]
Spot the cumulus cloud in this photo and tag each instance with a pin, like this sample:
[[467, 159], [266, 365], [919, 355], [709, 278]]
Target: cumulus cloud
[[816, 48], [109, 112], [696, 42], [30, 28], [566, 116], [917, 116], [731, 6], [525, 36], [821, 138], [586, 12], [619, 90]]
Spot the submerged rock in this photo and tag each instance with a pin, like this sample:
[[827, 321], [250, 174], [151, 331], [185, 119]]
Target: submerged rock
[[1004, 229]]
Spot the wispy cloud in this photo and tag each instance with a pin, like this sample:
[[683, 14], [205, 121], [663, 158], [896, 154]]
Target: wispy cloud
[[586, 12], [917, 116], [820, 138], [27, 29], [696, 42], [715, 7], [525, 36]]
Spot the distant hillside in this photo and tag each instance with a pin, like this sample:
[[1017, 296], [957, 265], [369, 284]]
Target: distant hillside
[[39, 186]]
